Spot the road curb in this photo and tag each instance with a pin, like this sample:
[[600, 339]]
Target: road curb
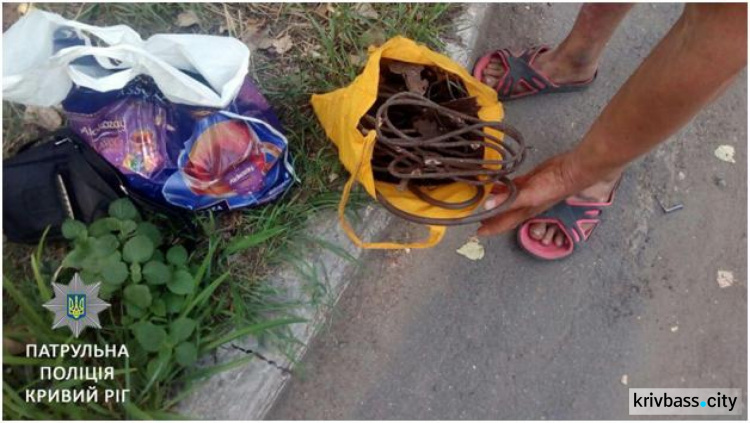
[[249, 392], [467, 26]]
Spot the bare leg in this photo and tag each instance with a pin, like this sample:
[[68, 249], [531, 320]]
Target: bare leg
[[709, 40], [696, 21], [577, 57]]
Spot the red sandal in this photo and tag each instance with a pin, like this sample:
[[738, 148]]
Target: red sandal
[[521, 79], [568, 215]]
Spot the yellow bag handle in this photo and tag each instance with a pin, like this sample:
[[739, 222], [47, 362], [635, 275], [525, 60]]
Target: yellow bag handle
[[434, 237]]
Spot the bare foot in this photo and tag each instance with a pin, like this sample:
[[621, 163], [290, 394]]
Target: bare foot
[[551, 233], [559, 69]]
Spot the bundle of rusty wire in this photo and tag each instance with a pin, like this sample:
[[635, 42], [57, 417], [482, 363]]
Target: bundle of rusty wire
[[429, 134]]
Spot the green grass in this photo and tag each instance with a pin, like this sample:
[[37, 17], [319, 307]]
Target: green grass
[[328, 51]]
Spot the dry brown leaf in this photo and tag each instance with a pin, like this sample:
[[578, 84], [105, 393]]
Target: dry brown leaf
[[373, 37], [324, 9], [264, 43], [43, 117], [283, 44], [187, 18], [357, 59], [412, 74], [253, 26], [366, 11], [250, 39], [256, 37]]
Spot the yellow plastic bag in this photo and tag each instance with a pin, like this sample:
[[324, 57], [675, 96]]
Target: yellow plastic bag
[[340, 112]]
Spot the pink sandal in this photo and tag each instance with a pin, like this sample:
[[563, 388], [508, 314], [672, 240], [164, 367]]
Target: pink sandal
[[569, 216], [519, 73]]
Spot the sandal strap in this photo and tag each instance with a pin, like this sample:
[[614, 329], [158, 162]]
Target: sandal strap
[[518, 71], [568, 215]]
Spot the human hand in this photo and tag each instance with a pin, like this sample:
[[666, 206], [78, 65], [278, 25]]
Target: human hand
[[538, 190]]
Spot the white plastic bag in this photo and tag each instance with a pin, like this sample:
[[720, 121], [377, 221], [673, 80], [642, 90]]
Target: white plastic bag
[[33, 74]]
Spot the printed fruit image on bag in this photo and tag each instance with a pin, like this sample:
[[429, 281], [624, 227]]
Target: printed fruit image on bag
[[230, 159], [220, 152]]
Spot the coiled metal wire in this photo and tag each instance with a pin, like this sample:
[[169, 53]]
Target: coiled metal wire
[[454, 152]]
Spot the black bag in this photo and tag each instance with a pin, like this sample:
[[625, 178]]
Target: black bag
[[56, 178]]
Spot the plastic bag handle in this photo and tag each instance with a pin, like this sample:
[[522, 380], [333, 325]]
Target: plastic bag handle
[[434, 237]]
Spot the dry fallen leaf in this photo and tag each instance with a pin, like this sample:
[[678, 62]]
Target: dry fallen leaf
[[725, 278], [187, 18], [283, 44], [472, 250], [412, 74], [252, 27], [373, 37], [725, 153], [264, 42], [43, 117], [313, 53], [357, 59], [325, 9], [256, 37], [366, 11], [321, 10]]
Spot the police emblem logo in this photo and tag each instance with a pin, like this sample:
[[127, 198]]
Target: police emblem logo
[[76, 305]]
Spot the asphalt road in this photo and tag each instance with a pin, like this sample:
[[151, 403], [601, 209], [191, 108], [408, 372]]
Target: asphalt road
[[432, 335]]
